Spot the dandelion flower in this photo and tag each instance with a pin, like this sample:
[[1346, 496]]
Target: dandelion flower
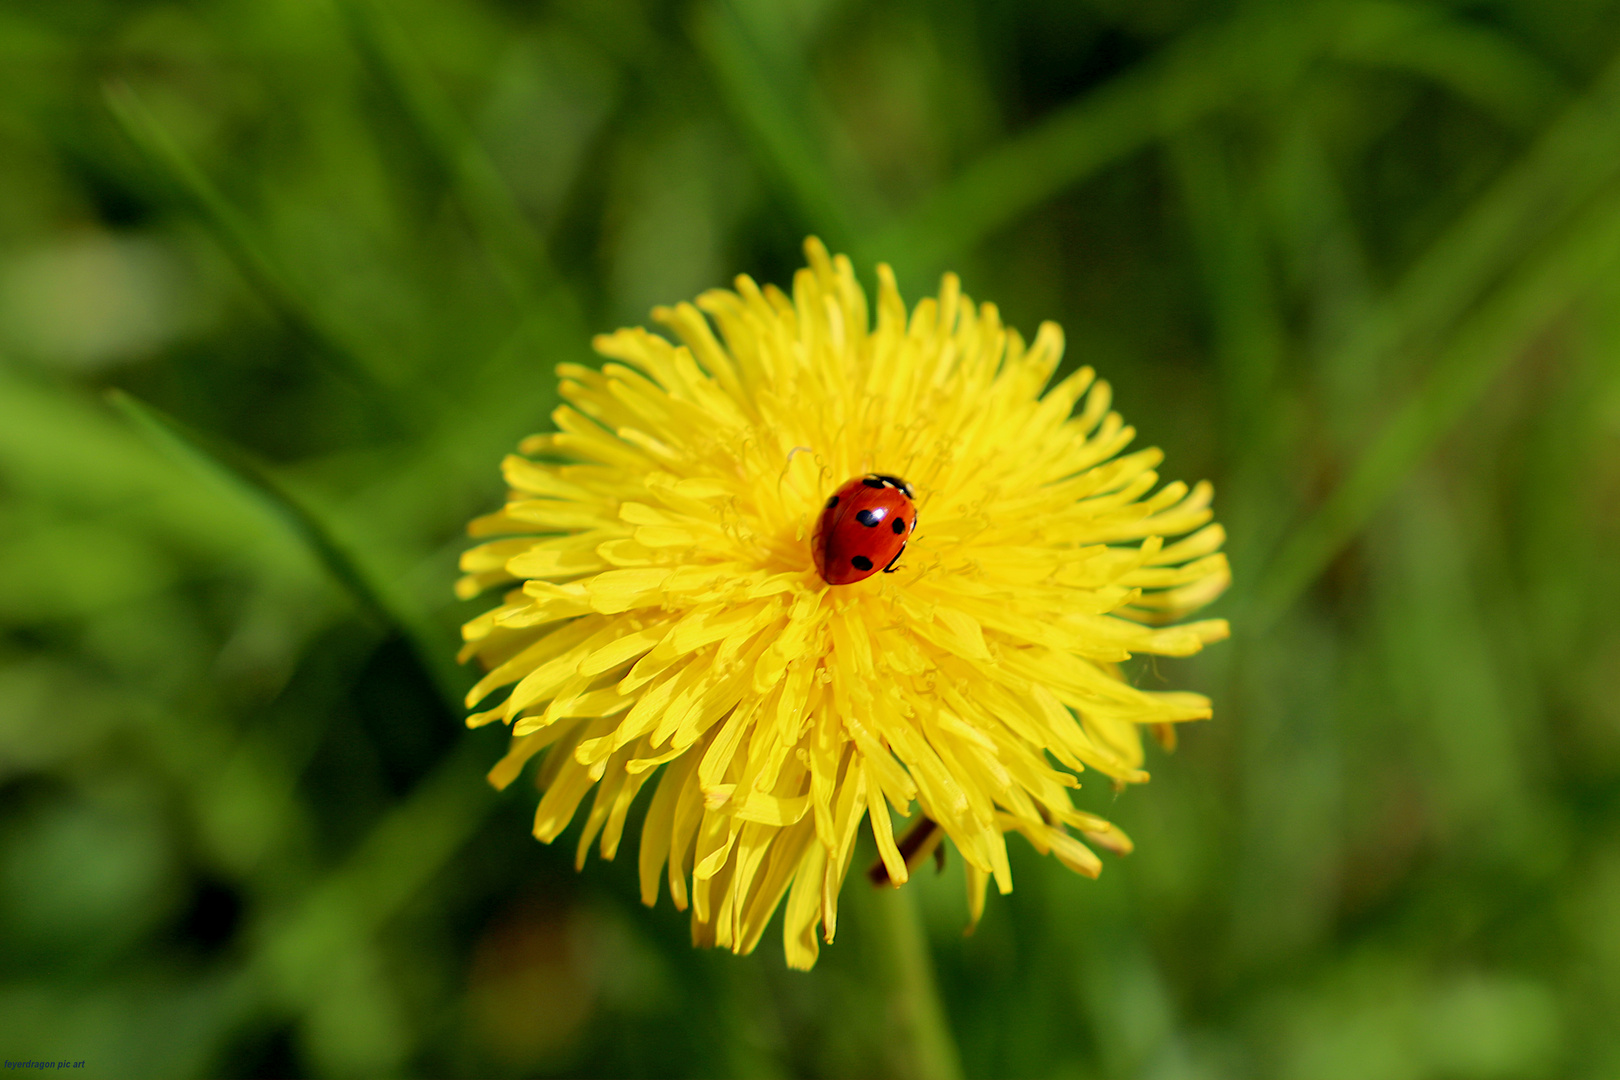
[[666, 624]]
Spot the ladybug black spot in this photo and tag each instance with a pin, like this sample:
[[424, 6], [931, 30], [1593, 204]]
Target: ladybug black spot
[[873, 482], [898, 525], [861, 562], [832, 502], [869, 518]]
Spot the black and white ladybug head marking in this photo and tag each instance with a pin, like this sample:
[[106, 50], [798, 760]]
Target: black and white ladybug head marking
[[883, 480]]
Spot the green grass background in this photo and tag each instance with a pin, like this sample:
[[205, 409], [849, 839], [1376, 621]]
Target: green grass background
[[1356, 262]]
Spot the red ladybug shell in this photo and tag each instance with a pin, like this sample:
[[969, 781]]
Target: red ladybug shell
[[863, 528]]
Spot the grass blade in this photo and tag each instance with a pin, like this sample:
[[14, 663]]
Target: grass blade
[[1576, 158], [1473, 61], [335, 921], [1201, 75], [1568, 165], [509, 239], [776, 127], [233, 233], [1479, 352], [238, 466]]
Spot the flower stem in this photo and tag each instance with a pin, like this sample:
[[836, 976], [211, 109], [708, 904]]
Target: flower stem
[[923, 1044]]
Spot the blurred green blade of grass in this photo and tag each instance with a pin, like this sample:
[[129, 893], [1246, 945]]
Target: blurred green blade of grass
[[334, 924], [59, 449], [401, 853], [1499, 332], [1250, 338], [237, 238], [1204, 73], [511, 242], [320, 958], [778, 131], [1475, 62], [258, 482], [1571, 160]]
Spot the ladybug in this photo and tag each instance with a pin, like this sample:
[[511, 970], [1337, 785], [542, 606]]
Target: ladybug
[[863, 528]]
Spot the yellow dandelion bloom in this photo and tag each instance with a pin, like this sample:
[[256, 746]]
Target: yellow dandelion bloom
[[671, 627]]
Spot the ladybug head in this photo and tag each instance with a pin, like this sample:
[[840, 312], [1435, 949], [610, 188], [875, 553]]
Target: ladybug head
[[885, 480]]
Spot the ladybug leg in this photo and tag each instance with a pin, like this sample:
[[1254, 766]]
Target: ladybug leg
[[890, 568]]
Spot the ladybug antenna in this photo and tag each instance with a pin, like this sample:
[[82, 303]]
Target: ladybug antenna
[[789, 463]]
